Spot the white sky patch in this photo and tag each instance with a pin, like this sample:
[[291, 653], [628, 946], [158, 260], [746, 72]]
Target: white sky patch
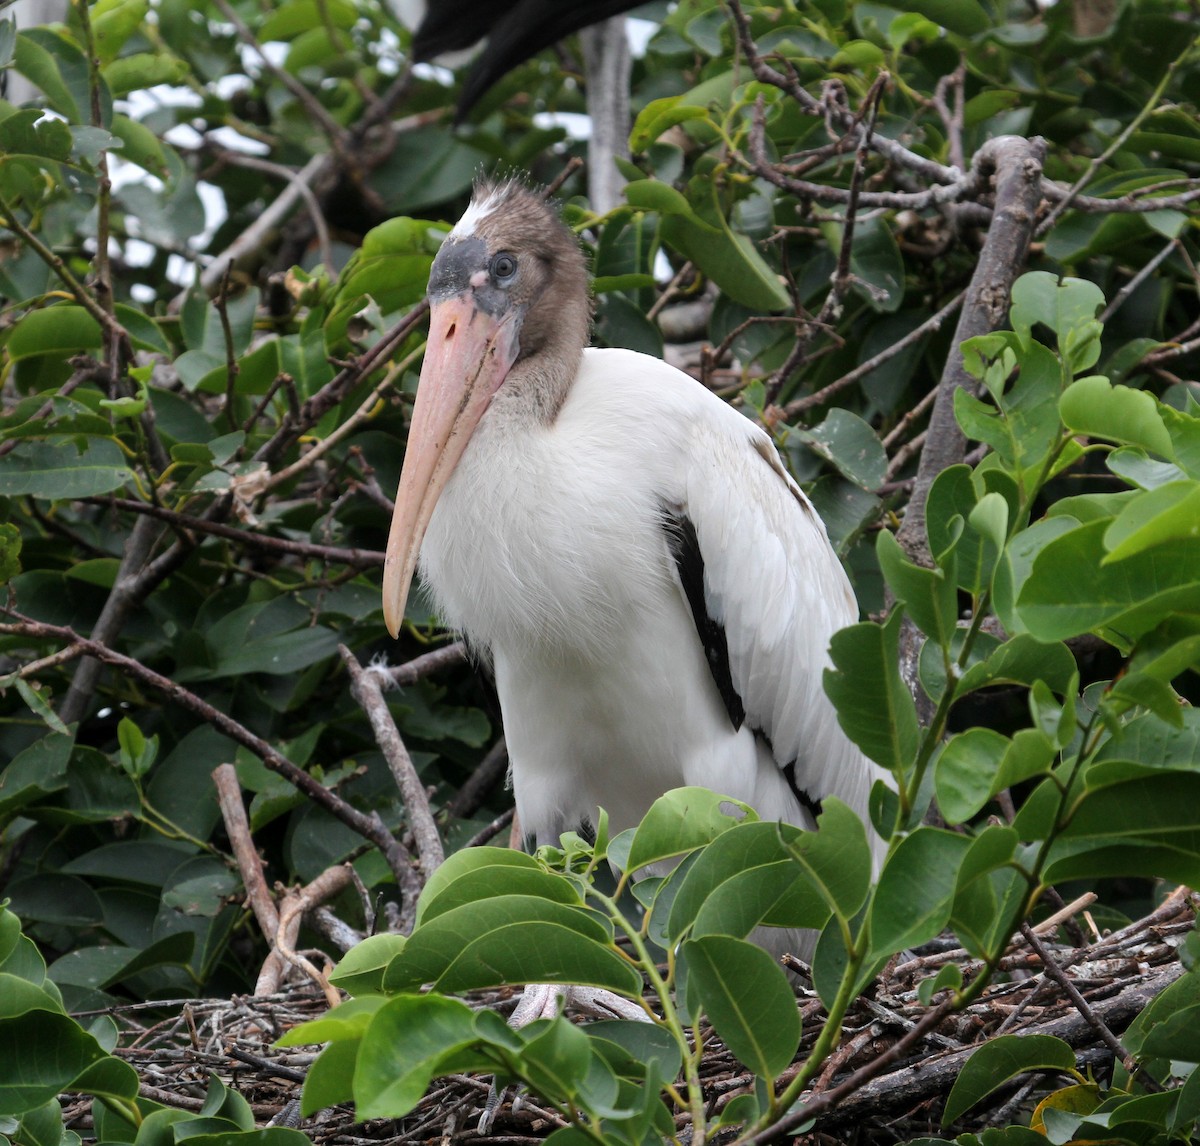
[[574, 123], [638, 32], [139, 253], [434, 72], [233, 140]]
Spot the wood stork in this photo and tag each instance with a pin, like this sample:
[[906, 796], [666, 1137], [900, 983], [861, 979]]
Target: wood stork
[[654, 592]]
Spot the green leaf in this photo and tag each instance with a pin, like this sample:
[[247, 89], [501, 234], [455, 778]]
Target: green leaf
[[10, 553], [402, 1049], [59, 471], [1021, 660], [1167, 513], [480, 942], [929, 595], [1176, 1037], [1092, 406], [1102, 838], [748, 1000], [850, 445], [658, 116], [113, 23], [962, 17], [346, 1022], [1066, 305], [916, 889], [1000, 1059], [39, 706], [729, 258], [539, 952], [56, 1055], [682, 820], [362, 968], [1072, 590], [465, 864], [874, 707], [61, 329], [651, 195]]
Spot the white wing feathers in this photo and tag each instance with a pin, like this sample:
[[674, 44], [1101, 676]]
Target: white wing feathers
[[773, 581]]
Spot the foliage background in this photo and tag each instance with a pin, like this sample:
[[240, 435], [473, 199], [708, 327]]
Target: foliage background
[[196, 478]]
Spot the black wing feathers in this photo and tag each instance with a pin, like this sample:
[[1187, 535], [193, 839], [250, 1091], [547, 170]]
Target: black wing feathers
[[685, 549]]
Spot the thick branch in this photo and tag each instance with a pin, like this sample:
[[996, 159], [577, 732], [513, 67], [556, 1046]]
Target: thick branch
[[1017, 164]]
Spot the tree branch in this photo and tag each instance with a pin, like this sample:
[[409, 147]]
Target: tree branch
[[370, 827], [365, 687]]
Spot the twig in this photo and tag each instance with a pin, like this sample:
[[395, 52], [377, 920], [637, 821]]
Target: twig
[[844, 119], [354, 558], [1055, 972], [299, 187], [1119, 298], [237, 828], [474, 791], [366, 689], [370, 827], [303, 189], [362, 414], [136, 578], [329, 395], [493, 829], [818, 398], [952, 119], [333, 130], [569, 168], [1118, 142], [291, 913], [426, 664]]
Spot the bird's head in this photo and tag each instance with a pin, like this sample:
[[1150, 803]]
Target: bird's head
[[508, 287]]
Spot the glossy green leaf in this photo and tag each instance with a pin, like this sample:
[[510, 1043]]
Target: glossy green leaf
[[916, 889], [1167, 513], [748, 1000], [402, 1048], [1021, 660], [875, 708], [929, 595], [850, 445], [994, 1063], [1071, 590], [963, 17], [1093, 406], [682, 820], [56, 1055], [729, 258], [61, 471]]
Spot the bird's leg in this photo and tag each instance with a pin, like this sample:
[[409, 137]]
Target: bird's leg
[[541, 1001]]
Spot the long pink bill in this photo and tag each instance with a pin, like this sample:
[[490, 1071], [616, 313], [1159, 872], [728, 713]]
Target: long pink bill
[[468, 355]]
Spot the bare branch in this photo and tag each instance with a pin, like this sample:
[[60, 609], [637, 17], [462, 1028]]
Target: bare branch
[[1017, 164], [370, 827], [366, 689], [354, 558]]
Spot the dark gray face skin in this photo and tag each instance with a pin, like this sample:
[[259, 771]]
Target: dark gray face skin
[[460, 260]]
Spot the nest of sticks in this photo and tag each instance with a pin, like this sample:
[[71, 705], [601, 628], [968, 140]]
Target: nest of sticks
[[887, 1080]]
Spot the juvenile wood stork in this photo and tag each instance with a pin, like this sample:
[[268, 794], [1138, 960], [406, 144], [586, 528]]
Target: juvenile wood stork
[[654, 592]]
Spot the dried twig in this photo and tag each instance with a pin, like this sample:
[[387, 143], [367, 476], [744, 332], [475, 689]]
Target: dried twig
[[366, 688]]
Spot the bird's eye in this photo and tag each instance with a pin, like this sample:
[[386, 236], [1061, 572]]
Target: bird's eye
[[503, 267]]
